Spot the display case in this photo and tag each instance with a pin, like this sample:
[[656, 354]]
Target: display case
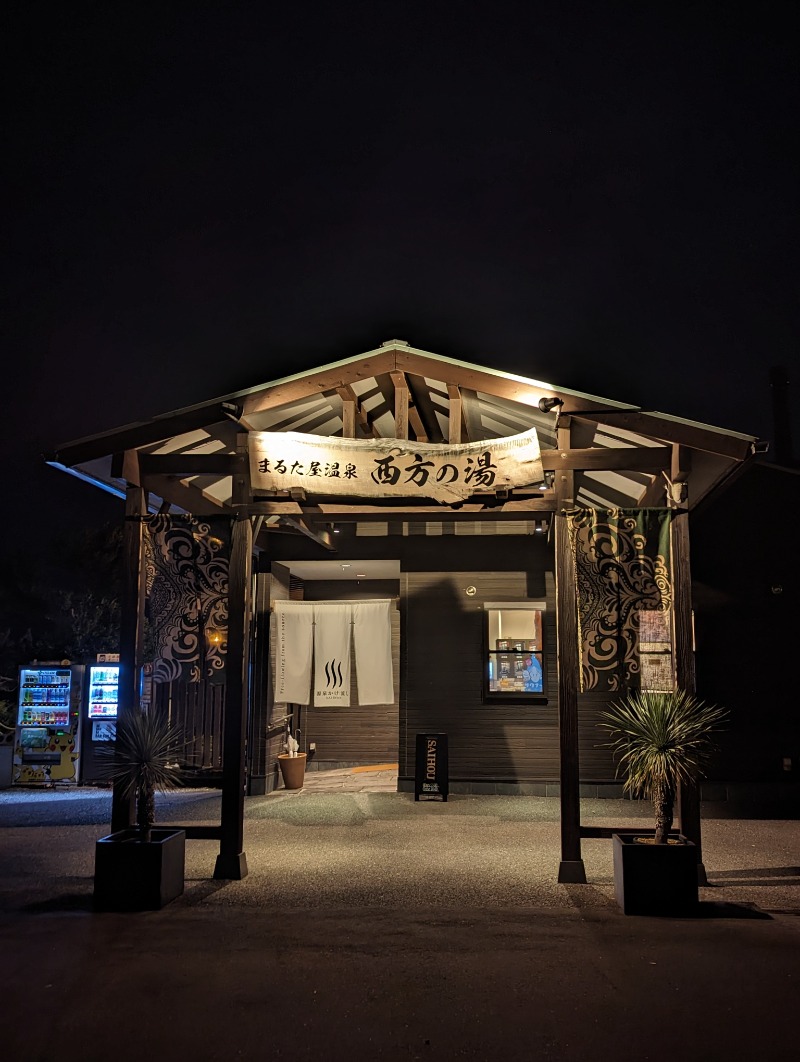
[[515, 650], [103, 691]]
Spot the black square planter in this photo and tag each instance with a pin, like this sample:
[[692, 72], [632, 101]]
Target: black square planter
[[655, 879], [135, 875]]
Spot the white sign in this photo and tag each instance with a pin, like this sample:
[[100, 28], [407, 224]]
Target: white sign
[[392, 468]]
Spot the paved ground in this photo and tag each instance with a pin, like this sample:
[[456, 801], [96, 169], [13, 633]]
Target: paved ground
[[374, 927]]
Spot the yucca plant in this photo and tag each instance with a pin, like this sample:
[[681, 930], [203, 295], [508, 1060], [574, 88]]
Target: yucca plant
[[660, 741], [143, 760]]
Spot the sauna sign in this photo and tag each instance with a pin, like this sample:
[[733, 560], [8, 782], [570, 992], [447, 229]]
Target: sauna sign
[[392, 468], [431, 770]]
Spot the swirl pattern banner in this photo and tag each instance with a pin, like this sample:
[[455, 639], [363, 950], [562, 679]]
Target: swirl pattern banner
[[623, 568], [186, 585]]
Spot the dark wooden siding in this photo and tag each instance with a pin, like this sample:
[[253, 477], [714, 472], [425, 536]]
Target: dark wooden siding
[[442, 663], [196, 712]]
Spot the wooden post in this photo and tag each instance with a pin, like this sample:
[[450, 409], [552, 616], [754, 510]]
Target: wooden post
[[130, 655], [231, 862], [571, 868], [455, 416], [348, 418], [688, 795], [400, 405]]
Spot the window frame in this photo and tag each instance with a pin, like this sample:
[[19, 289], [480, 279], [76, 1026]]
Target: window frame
[[513, 697]]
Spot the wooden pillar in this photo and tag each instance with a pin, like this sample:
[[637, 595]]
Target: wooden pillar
[[571, 868], [131, 624], [231, 862], [400, 405], [688, 795], [455, 415]]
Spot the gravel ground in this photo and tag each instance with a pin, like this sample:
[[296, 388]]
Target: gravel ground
[[331, 850]]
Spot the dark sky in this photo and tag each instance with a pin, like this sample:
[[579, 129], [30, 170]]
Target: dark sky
[[202, 197]]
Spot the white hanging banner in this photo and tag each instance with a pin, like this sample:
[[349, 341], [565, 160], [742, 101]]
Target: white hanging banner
[[293, 650], [332, 653], [392, 468], [372, 636]]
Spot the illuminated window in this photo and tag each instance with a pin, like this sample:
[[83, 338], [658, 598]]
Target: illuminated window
[[515, 650]]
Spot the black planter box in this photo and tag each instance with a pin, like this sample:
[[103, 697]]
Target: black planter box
[[135, 875], [655, 879]]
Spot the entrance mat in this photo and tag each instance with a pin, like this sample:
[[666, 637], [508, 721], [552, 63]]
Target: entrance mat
[[376, 767]]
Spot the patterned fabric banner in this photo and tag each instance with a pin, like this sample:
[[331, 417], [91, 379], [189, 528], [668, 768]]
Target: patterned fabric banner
[[186, 562], [623, 569]]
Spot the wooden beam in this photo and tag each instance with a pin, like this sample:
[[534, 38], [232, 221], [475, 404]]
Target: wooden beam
[[671, 430], [347, 394], [455, 416], [518, 389], [400, 405], [329, 379], [184, 495], [654, 494], [424, 406], [470, 410], [334, 513], [348, 418], [571, 868], [191, 464], [322, 538], [608, 458]]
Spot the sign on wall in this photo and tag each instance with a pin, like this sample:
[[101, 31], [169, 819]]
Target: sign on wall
[[392, 468]]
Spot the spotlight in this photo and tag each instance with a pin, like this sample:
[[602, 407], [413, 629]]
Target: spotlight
[[232, 411], [547, 405]]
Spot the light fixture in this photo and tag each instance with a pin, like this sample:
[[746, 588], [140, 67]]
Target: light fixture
[[232, 411], [361, 575], [547, 405]]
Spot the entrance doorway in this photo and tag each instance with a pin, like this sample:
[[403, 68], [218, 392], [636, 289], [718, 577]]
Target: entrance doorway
[[355, 747]]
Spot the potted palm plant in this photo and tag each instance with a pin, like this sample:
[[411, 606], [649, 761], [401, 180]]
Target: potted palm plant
[[141, 868], [660, 741]]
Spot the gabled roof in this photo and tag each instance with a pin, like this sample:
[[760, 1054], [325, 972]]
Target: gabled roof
[[186, 459]]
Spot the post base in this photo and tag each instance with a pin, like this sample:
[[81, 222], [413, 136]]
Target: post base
[[230, 867], [571, 872]]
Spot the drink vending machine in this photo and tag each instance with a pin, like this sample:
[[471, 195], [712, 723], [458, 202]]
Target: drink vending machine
[[100, 716], [48, 745]]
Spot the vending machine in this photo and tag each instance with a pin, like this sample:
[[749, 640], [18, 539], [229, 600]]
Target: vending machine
[[100, 715], [48, 745]]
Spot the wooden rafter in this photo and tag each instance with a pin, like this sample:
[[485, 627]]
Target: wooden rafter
[[424, 409], [350, 399], [471, 412]]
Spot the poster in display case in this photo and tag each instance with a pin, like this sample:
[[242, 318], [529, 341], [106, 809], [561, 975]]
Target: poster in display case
[[515, 666]]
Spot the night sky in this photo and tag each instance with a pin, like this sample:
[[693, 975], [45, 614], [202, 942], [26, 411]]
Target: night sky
[[203, 197]]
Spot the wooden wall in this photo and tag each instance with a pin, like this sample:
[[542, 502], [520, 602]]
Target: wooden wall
[[196, 710], [442, 661]]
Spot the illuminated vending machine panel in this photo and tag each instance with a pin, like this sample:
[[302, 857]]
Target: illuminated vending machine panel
[[103, 700], [48, 740]]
